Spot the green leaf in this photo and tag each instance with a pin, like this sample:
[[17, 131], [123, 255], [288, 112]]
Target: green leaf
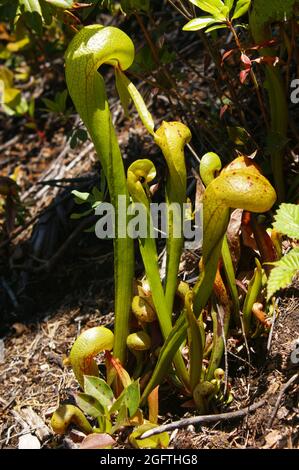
[[123, 93], [6, 76], [170, 347], [225, 11], [11, 97], [211, 6], [241, 8], [196, 335], [99, 389], [7, 109], [96, 204], [229, 4], [58, 105], [81, 134], [97, 194], [282, 275], [36, 13], [81, 197], [47, 12], [90, 405], [18, 45], [30, 125], [213, 28], [21, 106], [104, 423], [287, 220], [73, 141], [121, 419], [238, 135], [34, 21], [203, 393], [31, 6], [254, 288], [158, 441], [199, 23], [138, 101], [60, 99], [31, 108], [51, 105], [8, 10], [130, 396], [61, 3]]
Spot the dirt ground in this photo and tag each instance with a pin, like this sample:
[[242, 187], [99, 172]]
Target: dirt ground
[[33, 377]]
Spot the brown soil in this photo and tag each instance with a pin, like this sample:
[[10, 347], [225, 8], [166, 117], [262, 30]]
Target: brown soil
[[33, 376]]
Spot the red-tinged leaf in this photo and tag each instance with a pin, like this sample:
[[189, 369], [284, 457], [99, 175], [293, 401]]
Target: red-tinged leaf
[[233, 235], [121, 372], [223, 110], [227, 54], [243, 75], [153, 405], [246, 231], [78, 6], [246, 219], [41, 135], [270, 60], [262, 45], [97, 441], [264, 243], [260, 315], [246, 60]]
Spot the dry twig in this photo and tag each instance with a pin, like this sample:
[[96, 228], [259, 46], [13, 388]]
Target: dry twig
[[205, 419], [279, 398]]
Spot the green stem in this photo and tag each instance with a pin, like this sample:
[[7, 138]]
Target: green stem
[[140, 173], [221, 320], [171, 138], [254, 289], [196, 340], [89, 49], [230, 277], [236, 187]]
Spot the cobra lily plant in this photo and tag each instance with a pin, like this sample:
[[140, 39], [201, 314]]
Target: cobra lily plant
[[148, 350]]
